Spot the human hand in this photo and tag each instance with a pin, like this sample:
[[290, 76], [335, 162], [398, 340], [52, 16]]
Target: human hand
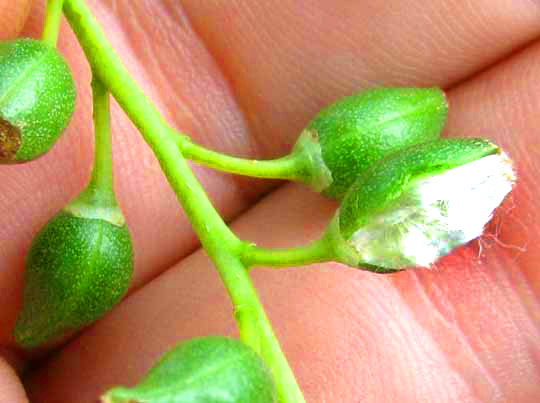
[[245, 79]]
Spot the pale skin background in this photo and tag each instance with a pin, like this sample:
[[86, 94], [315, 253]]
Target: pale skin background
[[244, 77]]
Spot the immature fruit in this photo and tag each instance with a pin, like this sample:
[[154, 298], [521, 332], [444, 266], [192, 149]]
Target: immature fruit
[[76, 270], [348, 136], [421, 203], [37, 99], [210, 369]]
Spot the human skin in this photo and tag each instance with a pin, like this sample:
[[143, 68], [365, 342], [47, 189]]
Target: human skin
[[245, 77]]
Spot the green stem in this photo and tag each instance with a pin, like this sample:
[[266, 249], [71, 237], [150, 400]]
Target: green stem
[[106, 64], [220, 243], [53, 19], [102, 177], [317, 251], [254, 326], [289, 168], [98, 200]]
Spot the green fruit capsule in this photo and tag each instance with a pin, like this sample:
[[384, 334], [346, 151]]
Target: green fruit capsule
[[78, 267], [420, 204], [210, 369], [348, 136], [37, 99]]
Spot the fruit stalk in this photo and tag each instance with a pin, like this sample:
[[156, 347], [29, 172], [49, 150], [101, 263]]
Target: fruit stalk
[[318, 251], [217, 239], [290, 167], [102, 178], [53, 19]]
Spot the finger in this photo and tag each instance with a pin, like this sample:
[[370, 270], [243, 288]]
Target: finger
[[350, 334], [291, 66], [13, 16], [165, 53], [11, 389], [464, 331]]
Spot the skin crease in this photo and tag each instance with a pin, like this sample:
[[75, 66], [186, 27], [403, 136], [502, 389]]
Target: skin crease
[[244, 78]]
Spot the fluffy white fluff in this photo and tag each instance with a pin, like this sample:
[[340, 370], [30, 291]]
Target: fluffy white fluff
[[436, 214]]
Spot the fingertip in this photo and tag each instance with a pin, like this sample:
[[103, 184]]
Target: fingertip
[[13, 15], [11, 389]]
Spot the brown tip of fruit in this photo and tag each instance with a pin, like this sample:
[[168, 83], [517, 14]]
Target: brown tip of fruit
[[10, 141]]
